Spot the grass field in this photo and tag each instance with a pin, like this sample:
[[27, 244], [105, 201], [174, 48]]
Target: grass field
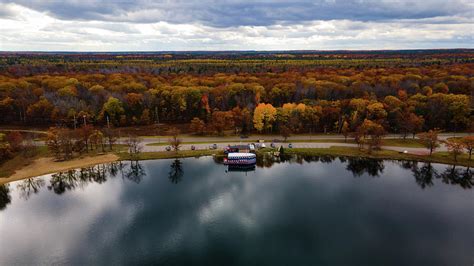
[[409, 143], [203, 142]]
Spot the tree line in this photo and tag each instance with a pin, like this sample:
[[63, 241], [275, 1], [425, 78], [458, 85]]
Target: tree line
[[402, 100]]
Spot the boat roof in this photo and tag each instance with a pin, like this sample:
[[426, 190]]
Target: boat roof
[[241, 154], [240, 146]]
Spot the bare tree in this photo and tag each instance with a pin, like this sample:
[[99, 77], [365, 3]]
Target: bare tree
[[285, 132], [86, 131], [97, 139], [469, 144], [60, 142], [29, 147], [134, 145], [455, 147], [110, 136], [430, 139], [175, 141]]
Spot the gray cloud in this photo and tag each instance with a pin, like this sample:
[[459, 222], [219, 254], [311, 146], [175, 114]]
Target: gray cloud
[[90, 25], [6, 12], [247, 13], [82, 27]]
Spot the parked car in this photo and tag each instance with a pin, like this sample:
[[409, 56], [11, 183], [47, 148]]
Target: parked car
[[213, 146], [252, 147], [230, 149]]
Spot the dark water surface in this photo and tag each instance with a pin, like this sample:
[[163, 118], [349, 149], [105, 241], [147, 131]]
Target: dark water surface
[[194, 212]]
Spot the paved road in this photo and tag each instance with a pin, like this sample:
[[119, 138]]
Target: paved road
[[252, 138], [233, 140], [220, 146]]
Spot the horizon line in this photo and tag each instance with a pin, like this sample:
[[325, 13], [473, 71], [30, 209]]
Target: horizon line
[[217, 51]]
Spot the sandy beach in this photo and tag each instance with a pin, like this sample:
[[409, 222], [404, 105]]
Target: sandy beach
[[47, 165]]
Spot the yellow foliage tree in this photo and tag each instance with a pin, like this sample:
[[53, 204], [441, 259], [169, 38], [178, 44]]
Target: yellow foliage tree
[[263, 117]]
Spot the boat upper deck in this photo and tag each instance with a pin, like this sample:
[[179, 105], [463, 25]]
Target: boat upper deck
[[236, 155]]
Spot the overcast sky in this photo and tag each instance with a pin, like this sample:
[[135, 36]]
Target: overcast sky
[[146, 25]]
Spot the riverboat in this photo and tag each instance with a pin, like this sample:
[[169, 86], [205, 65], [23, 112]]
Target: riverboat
[[240, 159]]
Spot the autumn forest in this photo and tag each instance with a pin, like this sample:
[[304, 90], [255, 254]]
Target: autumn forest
[[244, 92]]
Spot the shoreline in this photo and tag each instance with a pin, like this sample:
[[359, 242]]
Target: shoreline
[[47, 165], [440, 157]]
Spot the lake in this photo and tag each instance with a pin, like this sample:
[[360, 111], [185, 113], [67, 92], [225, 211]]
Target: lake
[[300, 211]]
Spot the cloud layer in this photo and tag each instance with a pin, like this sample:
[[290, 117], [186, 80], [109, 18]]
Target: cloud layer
[[234, 25]]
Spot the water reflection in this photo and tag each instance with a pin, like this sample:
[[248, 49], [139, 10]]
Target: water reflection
[[96, 174], [240, 168], [424, 174], [114, 168], [30, 186], [69, 180], [63, 181], [357, 165], [134, 172], [285, 215], [455, 176], [5, 197], [268, 160], [176, 171], [360, 166]]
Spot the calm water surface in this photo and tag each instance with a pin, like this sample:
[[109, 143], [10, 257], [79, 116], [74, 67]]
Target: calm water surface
[[324, 211]]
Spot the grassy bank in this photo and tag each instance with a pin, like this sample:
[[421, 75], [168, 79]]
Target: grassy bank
[[165, 143], [408, 143], [438, 157]]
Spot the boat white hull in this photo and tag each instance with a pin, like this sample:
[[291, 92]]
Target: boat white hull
[[240, 161]]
